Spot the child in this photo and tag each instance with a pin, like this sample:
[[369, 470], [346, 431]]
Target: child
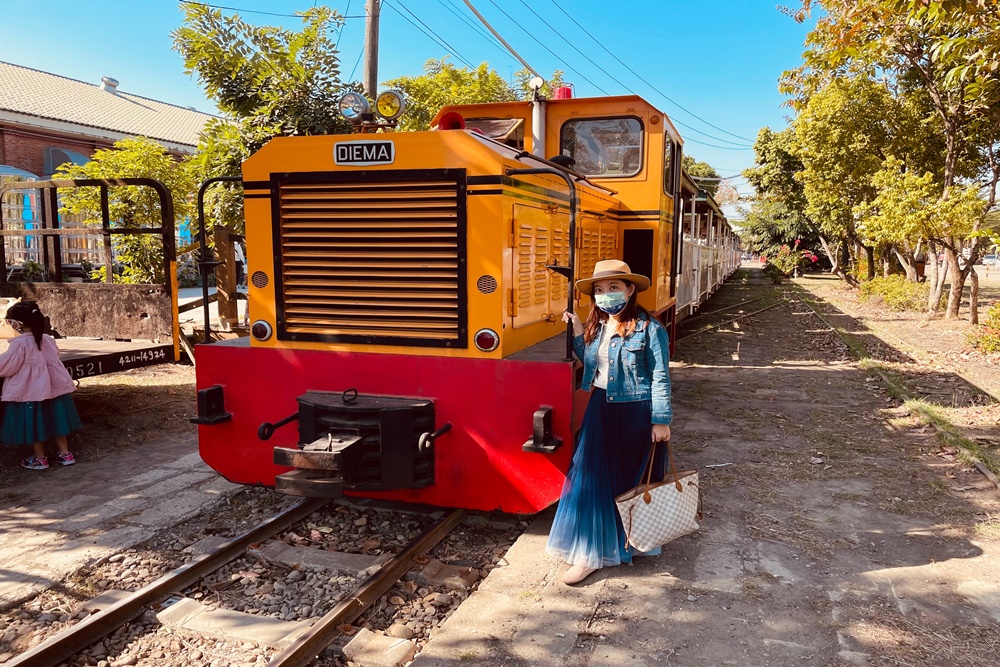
[[36, 389]]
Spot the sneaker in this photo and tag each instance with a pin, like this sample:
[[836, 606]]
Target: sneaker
[[66, 459], [577, 573], [35, 463]]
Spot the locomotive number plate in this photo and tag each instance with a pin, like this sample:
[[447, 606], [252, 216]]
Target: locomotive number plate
[[361, 153]]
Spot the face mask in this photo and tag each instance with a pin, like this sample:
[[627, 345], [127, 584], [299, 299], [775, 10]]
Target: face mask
[[611, 303]]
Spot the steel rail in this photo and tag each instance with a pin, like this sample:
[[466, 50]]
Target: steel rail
[[97, 626], [311, 643], [722, 310], [722, 324]]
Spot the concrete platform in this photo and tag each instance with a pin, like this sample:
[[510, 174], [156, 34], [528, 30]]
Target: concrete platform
[[60, 520]]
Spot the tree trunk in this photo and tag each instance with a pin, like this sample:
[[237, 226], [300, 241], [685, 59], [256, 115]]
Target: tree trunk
[[937, 277], [831, 254], [870, 254], [957, 282], [908, 260], [973, 295]]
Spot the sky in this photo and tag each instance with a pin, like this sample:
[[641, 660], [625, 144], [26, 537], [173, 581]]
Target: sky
[[713, 68]]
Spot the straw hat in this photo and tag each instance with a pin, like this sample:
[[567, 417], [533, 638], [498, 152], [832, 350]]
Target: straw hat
[[612, 269]]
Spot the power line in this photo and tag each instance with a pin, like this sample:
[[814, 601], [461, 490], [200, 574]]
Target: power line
[[476, 27], [427, 31], [254, 11], [341, 31], [356, 63], [540, 43], [614, 78], [596, 41]]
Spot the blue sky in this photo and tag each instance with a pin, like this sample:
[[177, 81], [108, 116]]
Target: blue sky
[[718, 63]]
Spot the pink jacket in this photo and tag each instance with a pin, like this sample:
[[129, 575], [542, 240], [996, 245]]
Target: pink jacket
[[32, 374]]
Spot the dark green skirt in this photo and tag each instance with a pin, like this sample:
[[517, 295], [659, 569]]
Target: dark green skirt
[[38, 421]]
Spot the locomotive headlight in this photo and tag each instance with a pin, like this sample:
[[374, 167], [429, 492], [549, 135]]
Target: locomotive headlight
[[487, 340], [261, 330], [353, 106], [390, 105]]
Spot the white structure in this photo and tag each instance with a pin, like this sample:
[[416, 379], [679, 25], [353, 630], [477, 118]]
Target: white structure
[[709, 250]]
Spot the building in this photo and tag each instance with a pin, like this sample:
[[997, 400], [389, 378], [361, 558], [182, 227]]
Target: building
[[47, 119]]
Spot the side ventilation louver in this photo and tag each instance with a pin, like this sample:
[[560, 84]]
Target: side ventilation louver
[[373, 257]]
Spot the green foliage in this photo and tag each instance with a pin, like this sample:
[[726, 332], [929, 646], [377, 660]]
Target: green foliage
[[273, 81], [141, 255], [777, 215], [221, 152], [699, 171], [773, 273], [986, 337], [908, 206], [442, 84], [841, 136], [523, 76], [895, 293], [268, 82], [32, 271], [788, 258]]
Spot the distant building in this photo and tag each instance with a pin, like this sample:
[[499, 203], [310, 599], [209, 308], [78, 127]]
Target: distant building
[[47, 120]]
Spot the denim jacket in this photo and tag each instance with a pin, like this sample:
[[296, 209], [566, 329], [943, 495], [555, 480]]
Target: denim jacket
[[638, 366]]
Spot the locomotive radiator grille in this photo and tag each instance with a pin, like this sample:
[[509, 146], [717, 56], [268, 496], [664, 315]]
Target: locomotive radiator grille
[[376, 260]]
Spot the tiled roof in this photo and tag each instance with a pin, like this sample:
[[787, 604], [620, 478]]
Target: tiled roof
[[35, 93]]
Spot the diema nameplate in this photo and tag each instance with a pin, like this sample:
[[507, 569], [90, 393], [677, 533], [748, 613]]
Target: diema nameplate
[[361, 153]]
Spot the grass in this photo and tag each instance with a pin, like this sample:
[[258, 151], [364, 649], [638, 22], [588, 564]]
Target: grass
[[988, 528], [969, 451]]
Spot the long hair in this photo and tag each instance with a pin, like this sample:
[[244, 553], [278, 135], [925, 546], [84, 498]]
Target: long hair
[[627, 318], [28, 314]]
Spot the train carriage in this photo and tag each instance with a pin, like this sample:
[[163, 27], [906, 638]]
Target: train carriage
[[406, 292]]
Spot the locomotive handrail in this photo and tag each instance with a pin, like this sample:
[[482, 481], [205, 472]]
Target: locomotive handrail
[[205, 267], [579, 176], [568, 271]]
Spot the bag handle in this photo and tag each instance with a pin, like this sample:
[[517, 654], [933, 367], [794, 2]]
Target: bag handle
[[646, 497]]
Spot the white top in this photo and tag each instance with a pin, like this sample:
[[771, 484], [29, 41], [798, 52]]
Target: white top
[[238, 251], [601, 377]]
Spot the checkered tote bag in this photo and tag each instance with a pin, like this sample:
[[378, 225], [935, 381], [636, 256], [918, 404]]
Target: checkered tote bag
[[654, 514]]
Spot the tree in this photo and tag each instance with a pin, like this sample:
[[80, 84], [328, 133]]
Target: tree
[[842, 137], [777, 215], [267, 82], [276, 81], [441, 84], [948, 49], [131, 206], [523, 77], [703, 174], [908, 206]]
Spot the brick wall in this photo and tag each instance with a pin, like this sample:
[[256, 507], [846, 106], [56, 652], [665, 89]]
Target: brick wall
[[25, 149]]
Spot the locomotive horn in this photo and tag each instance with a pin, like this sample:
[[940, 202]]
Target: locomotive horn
[[451, 120]]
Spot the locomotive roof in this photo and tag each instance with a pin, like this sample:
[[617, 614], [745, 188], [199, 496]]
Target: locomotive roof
[[522, 109]]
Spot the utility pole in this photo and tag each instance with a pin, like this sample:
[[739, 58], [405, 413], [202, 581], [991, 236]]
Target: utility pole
[[371, 48]]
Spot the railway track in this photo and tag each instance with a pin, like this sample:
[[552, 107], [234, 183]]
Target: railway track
[[303, 649]]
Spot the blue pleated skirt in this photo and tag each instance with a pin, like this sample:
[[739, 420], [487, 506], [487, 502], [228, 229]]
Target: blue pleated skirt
[[610, 458], [38, 421]]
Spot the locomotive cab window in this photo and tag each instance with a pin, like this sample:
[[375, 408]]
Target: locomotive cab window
[[605, 147]]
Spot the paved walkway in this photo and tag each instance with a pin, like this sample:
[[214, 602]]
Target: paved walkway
[[64, 518]]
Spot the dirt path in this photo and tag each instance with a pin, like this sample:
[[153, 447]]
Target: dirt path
[[131, 420], [837, 529]]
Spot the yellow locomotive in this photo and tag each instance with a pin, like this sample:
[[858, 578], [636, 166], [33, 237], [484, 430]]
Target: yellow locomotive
[[406, 292]]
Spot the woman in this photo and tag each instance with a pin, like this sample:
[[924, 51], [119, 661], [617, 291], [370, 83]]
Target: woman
[[625, 354]]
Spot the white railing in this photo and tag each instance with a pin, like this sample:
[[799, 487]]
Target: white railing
[[703, 270]]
